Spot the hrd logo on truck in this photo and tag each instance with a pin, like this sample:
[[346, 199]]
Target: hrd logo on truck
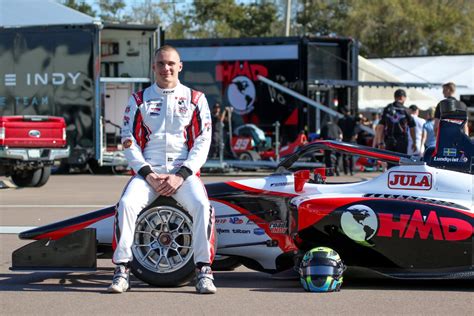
[[41, 79], [238, 78]]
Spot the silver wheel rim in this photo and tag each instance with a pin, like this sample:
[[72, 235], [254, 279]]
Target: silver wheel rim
[[163, 239]]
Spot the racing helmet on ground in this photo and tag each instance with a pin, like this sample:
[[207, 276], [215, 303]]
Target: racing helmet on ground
[[321, 270]]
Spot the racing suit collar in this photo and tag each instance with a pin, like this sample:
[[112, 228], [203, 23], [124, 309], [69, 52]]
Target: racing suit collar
[[165, 91]]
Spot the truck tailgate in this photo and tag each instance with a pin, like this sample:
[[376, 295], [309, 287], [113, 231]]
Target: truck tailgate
[[32, 131]]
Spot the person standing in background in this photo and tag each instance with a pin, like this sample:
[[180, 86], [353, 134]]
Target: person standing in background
[[330, 131], [449, 89], [347, 124], [428, 137], [419, 122], [218, 118], [375, 119], [392, 131]]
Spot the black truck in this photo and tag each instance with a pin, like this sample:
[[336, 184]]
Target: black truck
[[54, 71], [315, 67]]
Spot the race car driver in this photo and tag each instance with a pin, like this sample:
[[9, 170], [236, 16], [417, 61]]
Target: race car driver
[[166, 136]]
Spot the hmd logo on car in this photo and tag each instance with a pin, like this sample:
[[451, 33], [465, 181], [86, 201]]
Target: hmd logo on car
[[423, 226]]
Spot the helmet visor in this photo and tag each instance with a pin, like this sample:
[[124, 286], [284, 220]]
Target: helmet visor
[[322, 271]]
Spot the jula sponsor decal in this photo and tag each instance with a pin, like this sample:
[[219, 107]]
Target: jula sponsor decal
[[410, 180]]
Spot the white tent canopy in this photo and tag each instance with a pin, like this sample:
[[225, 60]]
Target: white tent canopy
[[378, 97], [22, 13], [428, 69]]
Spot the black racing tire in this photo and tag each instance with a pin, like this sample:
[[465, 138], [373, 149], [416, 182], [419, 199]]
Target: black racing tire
[[162, 246], [26, 178], [45, 173], [250, 155], [225, 263]]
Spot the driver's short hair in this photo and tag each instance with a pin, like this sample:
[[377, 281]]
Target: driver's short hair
[[166, 48]]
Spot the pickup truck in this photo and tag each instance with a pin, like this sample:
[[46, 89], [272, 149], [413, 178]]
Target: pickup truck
[[29, 145]]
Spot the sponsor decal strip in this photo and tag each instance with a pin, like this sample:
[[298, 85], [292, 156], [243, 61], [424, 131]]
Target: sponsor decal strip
[[284, 241]]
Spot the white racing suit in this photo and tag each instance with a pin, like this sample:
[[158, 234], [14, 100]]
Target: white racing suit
[[166, 130]]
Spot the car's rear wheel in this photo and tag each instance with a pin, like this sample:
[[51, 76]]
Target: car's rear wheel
[[162, 247], [26, 178]]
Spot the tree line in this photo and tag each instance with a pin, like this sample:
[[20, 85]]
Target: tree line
[[384, 28]]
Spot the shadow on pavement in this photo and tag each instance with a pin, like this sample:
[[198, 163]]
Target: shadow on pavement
[[97, 282], [254, 281], [257, 281]]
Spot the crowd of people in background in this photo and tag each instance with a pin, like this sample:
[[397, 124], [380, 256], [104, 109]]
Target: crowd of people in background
[[402, 129], [397, 128]]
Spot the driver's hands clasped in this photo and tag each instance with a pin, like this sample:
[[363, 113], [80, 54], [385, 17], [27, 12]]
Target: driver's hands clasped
[[153, 180], [164, 184]]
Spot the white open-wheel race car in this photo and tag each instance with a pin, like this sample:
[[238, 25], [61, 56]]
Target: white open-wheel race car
[[413, 221]]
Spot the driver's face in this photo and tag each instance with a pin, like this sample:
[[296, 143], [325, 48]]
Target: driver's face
[[166, 68]]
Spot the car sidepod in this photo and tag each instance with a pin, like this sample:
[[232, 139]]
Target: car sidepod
[[395, 232], [252, 222]]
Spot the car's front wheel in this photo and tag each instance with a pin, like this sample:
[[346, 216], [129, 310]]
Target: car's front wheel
[[162, 247]]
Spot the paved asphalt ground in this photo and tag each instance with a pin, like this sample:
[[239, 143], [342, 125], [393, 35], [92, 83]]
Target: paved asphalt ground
[[240, 292]]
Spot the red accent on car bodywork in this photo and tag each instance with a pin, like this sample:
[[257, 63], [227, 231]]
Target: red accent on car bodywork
[[301, 177], [312, 211], [57, 234]]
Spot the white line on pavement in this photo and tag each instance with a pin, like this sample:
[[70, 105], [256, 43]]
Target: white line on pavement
[[14, 229]]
